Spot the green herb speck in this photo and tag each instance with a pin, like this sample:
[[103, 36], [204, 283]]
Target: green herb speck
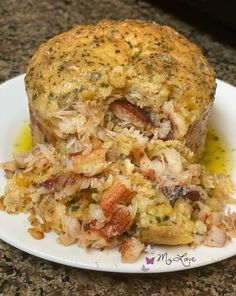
[[50, 97], [74, 208]]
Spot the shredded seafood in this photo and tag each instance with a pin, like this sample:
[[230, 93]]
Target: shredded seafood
[[124, 189]]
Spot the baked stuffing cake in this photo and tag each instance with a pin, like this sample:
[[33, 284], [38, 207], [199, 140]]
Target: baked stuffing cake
[[130, 73], [119, 114]]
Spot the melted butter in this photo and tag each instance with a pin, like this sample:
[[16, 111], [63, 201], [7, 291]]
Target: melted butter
[[216, 158], [217, 155], [22, 143]]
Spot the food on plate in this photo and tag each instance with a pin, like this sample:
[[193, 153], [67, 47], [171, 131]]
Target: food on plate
[[137, 73], [119, 114]]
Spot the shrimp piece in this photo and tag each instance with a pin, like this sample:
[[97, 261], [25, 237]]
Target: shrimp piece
[[130, 250], [102, 233], [119, 223], [115, 195]]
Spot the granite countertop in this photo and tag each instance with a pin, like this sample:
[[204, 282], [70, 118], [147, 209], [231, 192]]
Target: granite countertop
[[23, 26]]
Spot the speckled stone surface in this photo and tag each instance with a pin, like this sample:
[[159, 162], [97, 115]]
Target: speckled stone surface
[[23, 26]]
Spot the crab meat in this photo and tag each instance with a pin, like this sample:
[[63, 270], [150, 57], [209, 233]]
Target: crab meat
[[173, 159], [93, 238], [72, 185], [146, 167], [165, 129], [131, 114], [151, 169], [130, 249], [230, 223], [176, 118], [71, 228], [9, 168], [66, 185], [215, 238], [88, 165]]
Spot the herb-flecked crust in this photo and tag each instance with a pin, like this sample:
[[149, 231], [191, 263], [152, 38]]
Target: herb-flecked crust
[[145, 63]]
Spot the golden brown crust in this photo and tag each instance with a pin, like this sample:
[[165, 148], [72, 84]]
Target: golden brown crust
[[166, 235], [131, 58], [143, 62]]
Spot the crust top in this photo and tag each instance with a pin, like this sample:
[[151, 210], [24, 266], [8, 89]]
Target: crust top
[[143, 62]]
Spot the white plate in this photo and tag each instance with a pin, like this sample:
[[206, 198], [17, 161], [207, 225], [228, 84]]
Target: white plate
[[13, 228]]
